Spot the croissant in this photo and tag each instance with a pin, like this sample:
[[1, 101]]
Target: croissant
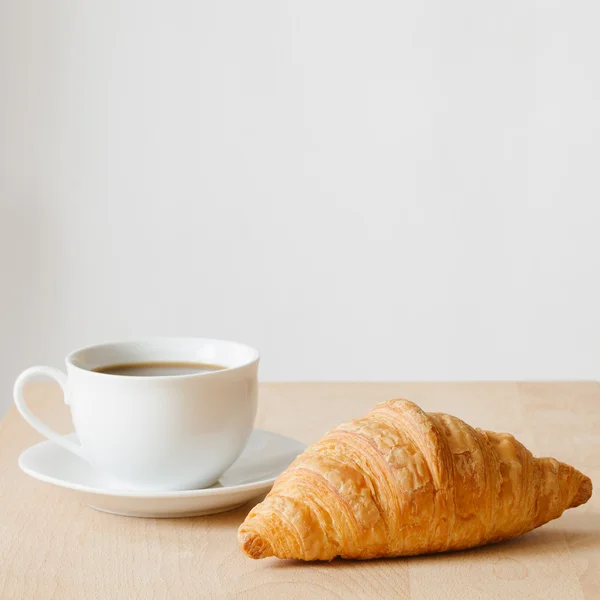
[[400, 481]]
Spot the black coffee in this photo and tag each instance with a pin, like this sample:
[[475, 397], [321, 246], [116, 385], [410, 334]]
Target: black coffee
[[157, 369]]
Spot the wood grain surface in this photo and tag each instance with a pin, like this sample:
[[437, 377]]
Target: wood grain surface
[[54, 546]]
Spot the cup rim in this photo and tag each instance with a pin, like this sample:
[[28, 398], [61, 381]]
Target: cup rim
[[70, 360]]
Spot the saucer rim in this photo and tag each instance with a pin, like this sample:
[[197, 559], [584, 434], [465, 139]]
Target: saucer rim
[[257, 486]]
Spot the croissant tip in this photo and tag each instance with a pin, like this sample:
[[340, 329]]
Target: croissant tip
[[584, 492], [253, 545]]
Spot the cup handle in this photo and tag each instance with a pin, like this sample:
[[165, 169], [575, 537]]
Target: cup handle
[[36, 423]]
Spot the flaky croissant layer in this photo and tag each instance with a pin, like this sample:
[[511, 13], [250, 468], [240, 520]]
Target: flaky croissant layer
[[400, 481]]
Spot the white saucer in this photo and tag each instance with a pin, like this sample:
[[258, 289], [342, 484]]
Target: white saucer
[[266, 455]]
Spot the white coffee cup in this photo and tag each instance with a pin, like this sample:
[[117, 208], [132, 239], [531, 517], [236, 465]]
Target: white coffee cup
[[169, 432]]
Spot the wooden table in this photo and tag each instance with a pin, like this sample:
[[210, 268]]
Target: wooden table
[[54, 546]]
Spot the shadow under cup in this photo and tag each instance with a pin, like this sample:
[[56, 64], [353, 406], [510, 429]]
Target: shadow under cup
[[158, 432]]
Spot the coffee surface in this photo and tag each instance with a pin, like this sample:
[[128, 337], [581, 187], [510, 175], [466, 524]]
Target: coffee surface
[[158, 369]]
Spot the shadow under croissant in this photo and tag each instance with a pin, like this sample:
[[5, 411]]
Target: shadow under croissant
[[583, 531]]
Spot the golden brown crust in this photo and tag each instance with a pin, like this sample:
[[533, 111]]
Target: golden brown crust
[[400, 481]]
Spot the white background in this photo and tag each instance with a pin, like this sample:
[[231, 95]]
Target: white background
[[363, 190]]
